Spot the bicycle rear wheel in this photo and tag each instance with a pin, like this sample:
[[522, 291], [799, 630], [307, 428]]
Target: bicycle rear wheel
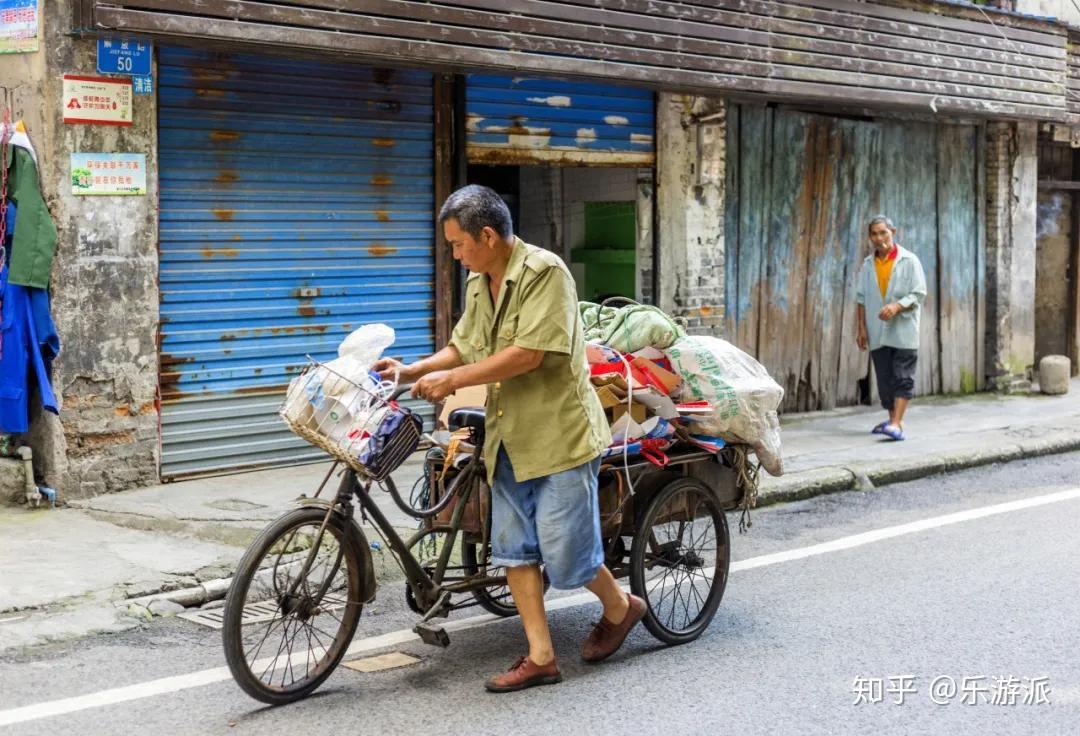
[[285, 630]]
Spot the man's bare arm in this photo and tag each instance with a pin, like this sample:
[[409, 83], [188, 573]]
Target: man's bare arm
[[507, 363], [446, 359]]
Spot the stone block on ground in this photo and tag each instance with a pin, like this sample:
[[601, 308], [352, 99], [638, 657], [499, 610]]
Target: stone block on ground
[[12, 481], [162, 607], [1054, 374]]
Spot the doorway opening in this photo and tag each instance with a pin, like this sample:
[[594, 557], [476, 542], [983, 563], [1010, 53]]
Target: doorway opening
[[597, 219]]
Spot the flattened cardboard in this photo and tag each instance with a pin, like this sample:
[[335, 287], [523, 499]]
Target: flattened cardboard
[[668, 380], [657, 403]]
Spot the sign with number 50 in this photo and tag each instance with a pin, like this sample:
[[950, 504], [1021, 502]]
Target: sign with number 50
[[116, 56]]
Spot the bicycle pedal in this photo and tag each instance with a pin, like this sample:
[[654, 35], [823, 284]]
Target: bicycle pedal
[[436, 636]]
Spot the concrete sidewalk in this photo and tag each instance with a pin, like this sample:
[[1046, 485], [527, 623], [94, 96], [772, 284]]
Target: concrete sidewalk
[[78, 569]]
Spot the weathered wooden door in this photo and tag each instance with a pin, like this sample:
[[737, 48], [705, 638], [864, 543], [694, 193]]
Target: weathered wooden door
[[800, 190]]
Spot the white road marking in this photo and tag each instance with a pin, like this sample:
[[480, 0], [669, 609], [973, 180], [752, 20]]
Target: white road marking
[[202, 678]]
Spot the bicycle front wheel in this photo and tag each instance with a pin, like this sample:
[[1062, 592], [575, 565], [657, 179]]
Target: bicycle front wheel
[[288, 623]]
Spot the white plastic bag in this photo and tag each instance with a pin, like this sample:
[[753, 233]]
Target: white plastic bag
[[743, 395], [329, 398], [366, 344], [358, 352]]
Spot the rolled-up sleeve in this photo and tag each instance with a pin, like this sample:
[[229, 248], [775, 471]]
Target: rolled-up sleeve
[[917, 293], [548, 312], [860, 288]]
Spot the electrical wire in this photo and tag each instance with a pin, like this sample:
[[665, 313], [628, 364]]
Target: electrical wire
[[1016, 49]]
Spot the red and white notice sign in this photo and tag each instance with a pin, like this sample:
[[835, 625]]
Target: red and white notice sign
[[97, 100]]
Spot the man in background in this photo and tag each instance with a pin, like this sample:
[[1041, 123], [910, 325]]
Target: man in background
[[890, 291]]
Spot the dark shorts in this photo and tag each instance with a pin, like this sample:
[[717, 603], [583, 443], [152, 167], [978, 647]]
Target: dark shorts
[[895, 369]]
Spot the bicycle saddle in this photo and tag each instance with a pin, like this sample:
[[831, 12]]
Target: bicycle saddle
[[471, 417]]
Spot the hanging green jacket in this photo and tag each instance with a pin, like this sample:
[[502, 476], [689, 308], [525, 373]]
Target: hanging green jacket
[[34, 242]]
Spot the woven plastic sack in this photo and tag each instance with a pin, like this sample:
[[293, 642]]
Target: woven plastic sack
[[743, 394], [630, 328]]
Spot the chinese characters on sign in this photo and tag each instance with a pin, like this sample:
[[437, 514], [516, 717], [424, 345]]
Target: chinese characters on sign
[[117, 56], [143, 85], [97, 100], [18, 26], [108, 173], [944, 690]]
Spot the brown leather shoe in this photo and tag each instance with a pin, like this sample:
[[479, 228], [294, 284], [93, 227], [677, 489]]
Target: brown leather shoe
[[524, 674], [606, 637]]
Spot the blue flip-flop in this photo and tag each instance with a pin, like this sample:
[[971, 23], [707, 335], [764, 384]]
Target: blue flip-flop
[[893, 434], [879, 429]]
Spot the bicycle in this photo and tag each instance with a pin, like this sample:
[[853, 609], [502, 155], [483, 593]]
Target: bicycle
[[312, 569]]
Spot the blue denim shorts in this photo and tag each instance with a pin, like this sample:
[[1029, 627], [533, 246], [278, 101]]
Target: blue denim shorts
[[554, 520]]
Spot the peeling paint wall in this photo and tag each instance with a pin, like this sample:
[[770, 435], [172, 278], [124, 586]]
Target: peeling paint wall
[[104, 282], [690, 198], [1011, 169]]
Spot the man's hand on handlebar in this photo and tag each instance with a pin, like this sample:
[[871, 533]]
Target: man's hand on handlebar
[[389, 369], [435, 386]]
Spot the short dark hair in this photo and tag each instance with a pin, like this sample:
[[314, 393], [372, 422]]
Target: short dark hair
[[476, 207]]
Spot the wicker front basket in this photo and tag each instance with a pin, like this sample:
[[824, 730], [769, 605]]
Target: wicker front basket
[[402, 443]]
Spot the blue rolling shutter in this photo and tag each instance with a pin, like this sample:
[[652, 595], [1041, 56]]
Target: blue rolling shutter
[[521, 120], [296, 205]]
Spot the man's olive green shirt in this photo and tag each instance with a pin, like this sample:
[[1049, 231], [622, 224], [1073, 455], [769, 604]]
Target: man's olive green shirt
[[548, 419]]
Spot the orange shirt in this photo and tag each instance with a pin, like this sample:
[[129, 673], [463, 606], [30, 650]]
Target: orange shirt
[[884, 267]]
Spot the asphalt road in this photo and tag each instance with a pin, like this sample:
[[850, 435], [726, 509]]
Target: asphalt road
[[797, 639]]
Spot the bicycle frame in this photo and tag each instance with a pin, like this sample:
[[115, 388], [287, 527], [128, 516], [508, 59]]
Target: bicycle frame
[[429, 590]]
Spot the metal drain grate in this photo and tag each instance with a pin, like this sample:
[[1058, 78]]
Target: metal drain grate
[[254, 613]]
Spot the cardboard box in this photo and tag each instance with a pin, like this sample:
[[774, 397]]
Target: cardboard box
[[473, 396], [614, 381], [637, 412], [608, 397]]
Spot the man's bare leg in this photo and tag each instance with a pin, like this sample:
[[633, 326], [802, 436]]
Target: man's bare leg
[[899, 407], [527, 587], [604, 587]]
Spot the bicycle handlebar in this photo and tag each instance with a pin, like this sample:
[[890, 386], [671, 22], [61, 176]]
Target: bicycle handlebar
[[402, 389]]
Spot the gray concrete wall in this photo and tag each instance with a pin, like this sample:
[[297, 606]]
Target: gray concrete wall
[[1011, 188], [690, 197], [1052, 292], [541, 206], [104, 281]]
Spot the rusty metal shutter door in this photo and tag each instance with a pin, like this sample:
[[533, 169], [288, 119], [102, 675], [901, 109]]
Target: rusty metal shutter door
[[520, 120], [296, 205]]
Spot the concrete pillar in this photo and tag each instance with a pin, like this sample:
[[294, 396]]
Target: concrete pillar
[[104, 279], [1011, 171], [690, 200], [645, 211]]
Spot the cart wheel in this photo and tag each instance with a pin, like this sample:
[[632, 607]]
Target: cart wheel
[[679, 560]]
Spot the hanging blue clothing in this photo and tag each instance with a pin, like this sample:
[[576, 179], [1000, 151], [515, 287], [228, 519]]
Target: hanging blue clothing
[[28, 340]]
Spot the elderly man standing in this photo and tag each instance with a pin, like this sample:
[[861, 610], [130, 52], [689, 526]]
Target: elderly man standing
[[521, 335], [890, 292]]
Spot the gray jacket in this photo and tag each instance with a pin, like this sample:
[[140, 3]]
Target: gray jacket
[[907, 287]]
